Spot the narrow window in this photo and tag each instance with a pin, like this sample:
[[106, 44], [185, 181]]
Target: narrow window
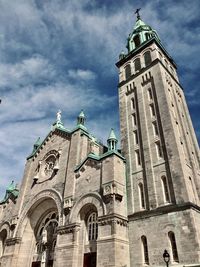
[[137, 64], [135, 133], [192, 188], [173, 246], [160, 55], [141, 193], [92, 226], [165, 188], [133, 103], [127, 71], [152, 110], [159, 150], [134, 120], [147, 35], [137, 40], [150, 96], [155, 128], [147, 58], [137, 155], [166, 63], [145, 249], [3, 237]]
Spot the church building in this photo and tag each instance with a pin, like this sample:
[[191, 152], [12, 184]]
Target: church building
[[84, 204]]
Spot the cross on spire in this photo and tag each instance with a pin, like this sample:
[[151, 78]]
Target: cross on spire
[[137, 12]]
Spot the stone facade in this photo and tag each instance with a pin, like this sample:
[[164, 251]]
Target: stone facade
[[83, 204]]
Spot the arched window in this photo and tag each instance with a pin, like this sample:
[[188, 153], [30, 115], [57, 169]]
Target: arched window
[[173, 246], [145, 249], [46, 237], [137, 40], [127, 71], [159, 149], [147, 35], [141, 193], [92, 226], [3, 236], [165, 188], [137, 64], [147, 58]]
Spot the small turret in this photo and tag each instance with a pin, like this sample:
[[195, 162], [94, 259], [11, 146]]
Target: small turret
[[11, 193], [81, 118], [140, 34], [112, 140]]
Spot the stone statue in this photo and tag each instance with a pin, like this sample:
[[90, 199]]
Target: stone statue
[[58, 115]]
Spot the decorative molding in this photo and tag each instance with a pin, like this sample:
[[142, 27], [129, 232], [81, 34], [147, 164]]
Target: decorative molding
[[13, 241], [113, 190], [67, 229], [130, 88], [146, 78], [163, 210], [48, 193], [113, 219]]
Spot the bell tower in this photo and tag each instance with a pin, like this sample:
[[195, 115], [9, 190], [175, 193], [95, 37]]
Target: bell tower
[[162, 153]]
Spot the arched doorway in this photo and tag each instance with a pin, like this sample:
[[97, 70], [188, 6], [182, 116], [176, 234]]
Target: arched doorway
[[38, 233], [89, 234]]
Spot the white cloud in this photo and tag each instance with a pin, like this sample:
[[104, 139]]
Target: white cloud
[[29, 70], [81, 74]]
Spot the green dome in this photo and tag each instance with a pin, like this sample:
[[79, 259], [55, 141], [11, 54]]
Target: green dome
[[112, 135], [140, 34]]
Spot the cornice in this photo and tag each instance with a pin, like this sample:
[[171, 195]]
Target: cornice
[[70, 228], [163, 210]]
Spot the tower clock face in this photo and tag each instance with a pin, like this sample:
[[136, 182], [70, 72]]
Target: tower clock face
[[49, 166]]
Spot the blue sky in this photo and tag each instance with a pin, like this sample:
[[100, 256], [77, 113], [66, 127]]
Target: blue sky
[[62, 54]]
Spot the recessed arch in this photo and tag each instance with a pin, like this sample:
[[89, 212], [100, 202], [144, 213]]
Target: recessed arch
[[34, 202], [91, 198]]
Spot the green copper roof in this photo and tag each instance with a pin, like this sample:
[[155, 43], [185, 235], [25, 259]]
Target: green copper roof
[[38, 142], [11, 193], [141, 33], [112, 135], [99, 158], [139, 23], [11, 187]]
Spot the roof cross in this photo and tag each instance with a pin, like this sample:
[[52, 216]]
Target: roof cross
[[137, 12]]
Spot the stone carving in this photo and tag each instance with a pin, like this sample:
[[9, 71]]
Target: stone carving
[[69, 229], [58, 116], [112, 220], [111, 190]]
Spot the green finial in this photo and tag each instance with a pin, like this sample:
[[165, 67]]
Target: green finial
[[11, 187], [112, 140], [81, 118], [36, 144], [122, 55]]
